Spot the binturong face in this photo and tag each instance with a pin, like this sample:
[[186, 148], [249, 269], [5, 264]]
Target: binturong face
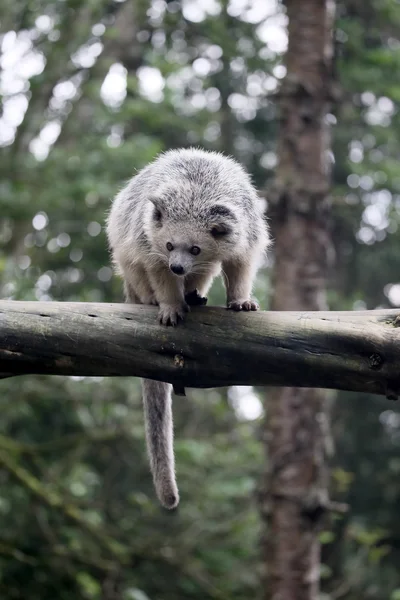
[[191, 244]]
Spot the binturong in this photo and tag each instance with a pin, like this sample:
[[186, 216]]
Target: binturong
[[181, 221]]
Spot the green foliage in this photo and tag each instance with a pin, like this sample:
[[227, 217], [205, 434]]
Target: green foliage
[[78, 516]]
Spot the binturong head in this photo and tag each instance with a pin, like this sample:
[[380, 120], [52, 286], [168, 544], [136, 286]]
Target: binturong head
[[191, 239]]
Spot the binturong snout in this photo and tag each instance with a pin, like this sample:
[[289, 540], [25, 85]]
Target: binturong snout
[[177, 269], [180, 262]]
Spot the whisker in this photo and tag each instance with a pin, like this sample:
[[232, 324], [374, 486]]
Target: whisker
[[199, 271], [157, 256], [225, 277], [204, 262]]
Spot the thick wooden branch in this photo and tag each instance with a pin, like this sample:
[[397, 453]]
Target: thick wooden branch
[[357, 351]]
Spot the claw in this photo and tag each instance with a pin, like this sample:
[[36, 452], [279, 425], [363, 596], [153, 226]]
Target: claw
[[245, 305], [172, 314]]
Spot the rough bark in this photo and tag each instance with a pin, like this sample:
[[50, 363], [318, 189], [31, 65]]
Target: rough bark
[[214, 347], [295, 495]]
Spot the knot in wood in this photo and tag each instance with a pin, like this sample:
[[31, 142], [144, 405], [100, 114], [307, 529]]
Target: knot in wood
[[375, 361], [392, 394], [179, 361]]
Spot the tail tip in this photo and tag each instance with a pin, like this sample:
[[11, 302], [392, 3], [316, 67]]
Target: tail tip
[[170, 501], [169, 498]]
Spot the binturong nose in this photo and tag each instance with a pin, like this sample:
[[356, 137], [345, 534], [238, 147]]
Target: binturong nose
[[177, 269]]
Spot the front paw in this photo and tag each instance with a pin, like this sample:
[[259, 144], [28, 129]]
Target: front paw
[[243, 305], [171, 314], [193, 298]]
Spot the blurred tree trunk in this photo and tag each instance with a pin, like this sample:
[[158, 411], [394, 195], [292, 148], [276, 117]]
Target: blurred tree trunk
[[295, 497]]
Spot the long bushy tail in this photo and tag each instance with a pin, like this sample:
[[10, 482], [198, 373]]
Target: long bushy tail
[[157, 402]]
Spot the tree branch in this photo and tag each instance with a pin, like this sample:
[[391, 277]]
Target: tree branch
[[357, 351]]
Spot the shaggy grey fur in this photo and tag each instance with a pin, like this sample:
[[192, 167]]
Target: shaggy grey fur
[[172, 229]]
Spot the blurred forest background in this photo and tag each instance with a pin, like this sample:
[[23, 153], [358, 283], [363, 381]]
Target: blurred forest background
[[90, 91]]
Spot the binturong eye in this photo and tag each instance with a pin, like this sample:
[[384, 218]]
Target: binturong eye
[[195, 250], [169, 246]]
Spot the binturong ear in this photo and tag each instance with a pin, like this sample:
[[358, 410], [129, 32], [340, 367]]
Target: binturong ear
[[219, 230], [158, 212], [221, 218]]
